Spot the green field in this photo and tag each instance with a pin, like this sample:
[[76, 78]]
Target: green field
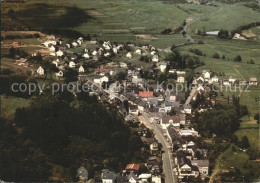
[[230, 48], [229, 17], [9, 105]]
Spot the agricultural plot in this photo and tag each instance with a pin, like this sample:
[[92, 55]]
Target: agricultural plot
[[229, 17]]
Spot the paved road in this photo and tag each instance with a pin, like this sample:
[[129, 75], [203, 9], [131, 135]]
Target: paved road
[[168, 163]]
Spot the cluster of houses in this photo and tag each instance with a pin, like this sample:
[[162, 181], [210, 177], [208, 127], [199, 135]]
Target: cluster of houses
[[206, 77]]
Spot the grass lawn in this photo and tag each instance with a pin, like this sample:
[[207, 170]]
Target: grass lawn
[[9, 104]]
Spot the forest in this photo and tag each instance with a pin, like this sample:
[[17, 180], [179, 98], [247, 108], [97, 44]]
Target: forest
[[65, 131]]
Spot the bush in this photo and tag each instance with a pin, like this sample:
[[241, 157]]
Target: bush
[[216, 55], [238, 58]]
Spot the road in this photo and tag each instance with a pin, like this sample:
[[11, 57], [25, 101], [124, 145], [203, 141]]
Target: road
[[192, 93], [168, 163]]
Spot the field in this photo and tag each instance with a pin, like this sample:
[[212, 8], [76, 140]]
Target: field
[[230, 48], [9, 104], [229, 17]]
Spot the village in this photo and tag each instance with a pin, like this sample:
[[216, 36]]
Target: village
[[152, 111]]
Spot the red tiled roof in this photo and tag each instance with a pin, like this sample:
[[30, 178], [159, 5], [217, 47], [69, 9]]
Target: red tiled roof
[[145, 94], [133, 167]]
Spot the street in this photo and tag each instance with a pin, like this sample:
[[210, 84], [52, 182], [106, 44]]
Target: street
[[168, 162]]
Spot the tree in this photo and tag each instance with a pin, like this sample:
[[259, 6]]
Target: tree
[[238, 58], [172, 112], [198, 155], [216, 55], [70, 75], [223, 57], [257, 117], [223, 34], [245, 142], [11, 53]]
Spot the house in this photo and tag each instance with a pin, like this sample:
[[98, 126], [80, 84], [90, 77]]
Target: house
[[22, 62], [180, 79], [133, 109], [156, 179], [94, 52], [188, 132], [214, 79], [144, 177], [132, 178], [40, 71], [163, 66], [79, 42], [85, 55], [180, 73], [107, 54], [56, 62], [253, 81], [203, 166], [187, 108], [172, 71], [170, 120], [59, 53], [129, 55], [226, 82], [154, 147], [74, 44], [52, 48], [59, 74], [72, 64], [155, 58], [82, 173], [123, 65], [200, 79], [145, 94], [132, 168], [138, 51], [108, 176], [206, 74], [115, 50], [231, 79], [153, 52], [185, 168], [81, 69], [101, 79]]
